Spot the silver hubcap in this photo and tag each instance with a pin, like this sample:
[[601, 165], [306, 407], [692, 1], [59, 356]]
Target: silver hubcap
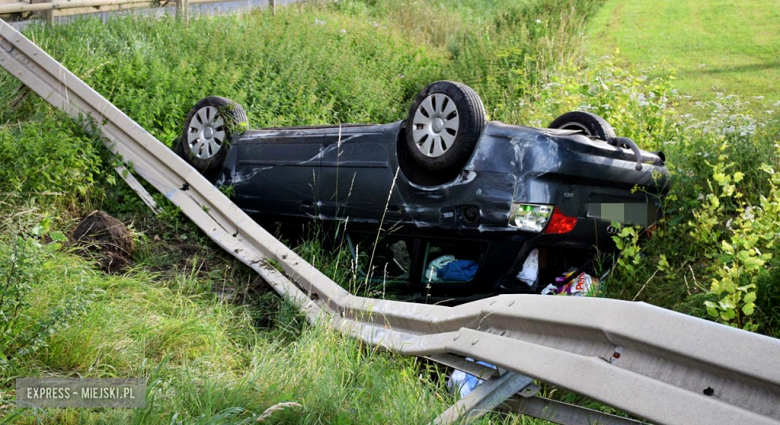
[[206, 133], [435, 125]]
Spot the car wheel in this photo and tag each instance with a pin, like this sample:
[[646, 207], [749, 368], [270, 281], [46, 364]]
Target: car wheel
[[208, 129], [443, 126], [588, 124]]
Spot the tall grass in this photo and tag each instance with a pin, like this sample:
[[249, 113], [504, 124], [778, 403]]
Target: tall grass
[[50, 161], [205, 359], [299, 66]]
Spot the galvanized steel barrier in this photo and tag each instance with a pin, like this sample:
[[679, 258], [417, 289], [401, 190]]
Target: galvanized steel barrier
[[653, 363], [50, 10]]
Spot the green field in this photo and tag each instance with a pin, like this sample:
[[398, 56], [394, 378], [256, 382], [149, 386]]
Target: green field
[[715, 45]]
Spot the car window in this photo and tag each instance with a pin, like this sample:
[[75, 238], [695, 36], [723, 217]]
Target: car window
[[384, 260], [452, 262]]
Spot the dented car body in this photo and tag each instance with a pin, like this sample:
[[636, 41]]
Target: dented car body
[[522, 188], [443, 203]]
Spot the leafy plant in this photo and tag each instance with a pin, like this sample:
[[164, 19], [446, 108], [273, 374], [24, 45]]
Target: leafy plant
[[742, 243], [627, 243], [16, 278], [52, 161]]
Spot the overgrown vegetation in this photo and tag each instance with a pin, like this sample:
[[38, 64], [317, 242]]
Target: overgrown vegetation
[[719, 235], [216, 346], [207, 359]]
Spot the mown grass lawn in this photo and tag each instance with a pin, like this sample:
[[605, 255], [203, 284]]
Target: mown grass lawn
[[715, 45]]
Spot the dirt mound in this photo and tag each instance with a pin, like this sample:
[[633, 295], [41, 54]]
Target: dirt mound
[[105, 239]]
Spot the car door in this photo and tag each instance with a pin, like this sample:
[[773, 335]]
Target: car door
[[356, 176], [277, 171]]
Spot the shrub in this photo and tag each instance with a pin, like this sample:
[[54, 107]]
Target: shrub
[[50, 161]]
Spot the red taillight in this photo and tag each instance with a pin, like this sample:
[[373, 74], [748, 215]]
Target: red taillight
[[560, 223]]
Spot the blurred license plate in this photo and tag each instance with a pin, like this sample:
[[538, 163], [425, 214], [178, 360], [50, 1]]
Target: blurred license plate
[[630, 213]]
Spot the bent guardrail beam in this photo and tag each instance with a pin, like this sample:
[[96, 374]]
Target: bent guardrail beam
[[656, 364]]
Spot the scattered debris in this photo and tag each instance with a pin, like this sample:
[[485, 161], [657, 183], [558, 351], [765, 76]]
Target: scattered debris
[[462, 383], [581, 284], [106, 239], [530, 271]]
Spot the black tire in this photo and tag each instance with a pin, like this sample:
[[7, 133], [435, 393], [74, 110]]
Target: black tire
[[207, 132], [588, 124], [437, 145]]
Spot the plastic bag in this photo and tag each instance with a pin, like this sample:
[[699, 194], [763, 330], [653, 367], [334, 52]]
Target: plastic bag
[[530, 271], [463, 383], [583, 285]]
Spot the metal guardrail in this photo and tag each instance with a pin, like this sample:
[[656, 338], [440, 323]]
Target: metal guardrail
[[22, 7], [51, 10], [656, 364]]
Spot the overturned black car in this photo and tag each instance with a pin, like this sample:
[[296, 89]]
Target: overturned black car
[[461, 202]]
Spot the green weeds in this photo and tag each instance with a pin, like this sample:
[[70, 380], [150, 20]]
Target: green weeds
[[206, 359], [713, 254], [49, 161], [213, 343]]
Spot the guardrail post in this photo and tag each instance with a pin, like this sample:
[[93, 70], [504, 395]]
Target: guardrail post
[[484, 398], [47, 15], [183, 11]]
